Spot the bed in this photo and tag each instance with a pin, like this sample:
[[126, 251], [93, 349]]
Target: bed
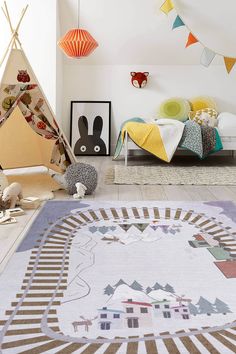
[[226, 128]]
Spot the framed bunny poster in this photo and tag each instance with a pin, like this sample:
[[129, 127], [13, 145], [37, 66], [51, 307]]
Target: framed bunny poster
[[90, 128]]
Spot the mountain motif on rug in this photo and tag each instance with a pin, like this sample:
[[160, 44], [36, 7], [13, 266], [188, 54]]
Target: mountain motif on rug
[[122, 277]]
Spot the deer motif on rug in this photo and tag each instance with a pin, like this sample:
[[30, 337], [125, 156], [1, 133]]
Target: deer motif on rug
[[86, 323]]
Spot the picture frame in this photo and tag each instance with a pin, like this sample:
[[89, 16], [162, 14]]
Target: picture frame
[[90, 128]]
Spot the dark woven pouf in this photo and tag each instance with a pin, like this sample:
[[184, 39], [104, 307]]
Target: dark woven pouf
[[81, 173]]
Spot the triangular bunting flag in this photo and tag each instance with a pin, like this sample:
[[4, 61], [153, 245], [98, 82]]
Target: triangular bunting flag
[[154, 227], [191, 40], [178, 22], [125, 227], [141, 227], [207, 57], [167, 6], [103, 229], [229, 63]]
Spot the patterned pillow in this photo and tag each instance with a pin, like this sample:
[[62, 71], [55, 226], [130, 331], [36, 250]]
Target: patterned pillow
[[206, 116]]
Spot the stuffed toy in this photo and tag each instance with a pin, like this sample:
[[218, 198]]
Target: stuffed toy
[[139, 80], [3, 205], [12, 193], [77, 173], [81, 190]]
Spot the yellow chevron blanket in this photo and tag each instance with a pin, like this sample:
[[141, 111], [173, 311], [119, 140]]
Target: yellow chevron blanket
[[160, 138]]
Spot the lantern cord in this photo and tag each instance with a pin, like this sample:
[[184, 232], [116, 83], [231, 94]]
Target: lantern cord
[[78, 11]]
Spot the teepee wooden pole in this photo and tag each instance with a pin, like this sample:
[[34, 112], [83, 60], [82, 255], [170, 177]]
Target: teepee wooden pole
[[6, 13], [9, 21], [18, 25], [14, 37]]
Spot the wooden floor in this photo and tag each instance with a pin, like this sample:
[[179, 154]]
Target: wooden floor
[[158, 192], [11, 235]]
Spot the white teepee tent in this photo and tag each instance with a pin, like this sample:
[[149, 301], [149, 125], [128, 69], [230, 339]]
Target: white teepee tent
[[29, 133]]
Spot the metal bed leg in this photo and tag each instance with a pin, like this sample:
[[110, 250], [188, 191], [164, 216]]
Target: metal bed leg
[[126, 148]]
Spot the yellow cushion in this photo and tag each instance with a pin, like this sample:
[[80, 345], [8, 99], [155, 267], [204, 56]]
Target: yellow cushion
[[202, 102]]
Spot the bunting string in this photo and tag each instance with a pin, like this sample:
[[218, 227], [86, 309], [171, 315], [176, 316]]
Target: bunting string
[[208, 55]]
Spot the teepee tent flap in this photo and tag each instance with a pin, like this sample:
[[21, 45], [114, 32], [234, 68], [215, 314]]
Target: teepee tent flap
[[22, 97], [20, 88]]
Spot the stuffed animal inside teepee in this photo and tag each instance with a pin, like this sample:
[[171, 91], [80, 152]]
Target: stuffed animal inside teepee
[[12, 194]]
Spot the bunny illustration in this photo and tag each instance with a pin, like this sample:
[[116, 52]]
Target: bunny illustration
[[90, 144]]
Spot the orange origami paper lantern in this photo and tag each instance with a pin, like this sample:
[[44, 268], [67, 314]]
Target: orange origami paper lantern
[[78, 43]]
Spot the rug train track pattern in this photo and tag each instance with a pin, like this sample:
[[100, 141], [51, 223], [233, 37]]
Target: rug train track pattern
[[31, 325]]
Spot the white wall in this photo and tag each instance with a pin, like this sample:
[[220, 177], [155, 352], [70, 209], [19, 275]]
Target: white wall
[[136, 32], [113, 83], [134, 36], [38, 36]]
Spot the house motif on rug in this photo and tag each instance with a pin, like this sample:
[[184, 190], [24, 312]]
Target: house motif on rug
[[180, 312], [220, 253], [110, 319], [138, 314], [164, 309], [228, 268], [222, 248], [132, 308], [161, 308], [203, 240]]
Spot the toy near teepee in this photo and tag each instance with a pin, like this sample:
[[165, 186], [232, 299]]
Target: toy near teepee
[[29, 133]]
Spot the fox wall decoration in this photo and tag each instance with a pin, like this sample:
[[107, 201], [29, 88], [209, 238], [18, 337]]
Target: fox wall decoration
[[139, 80]]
